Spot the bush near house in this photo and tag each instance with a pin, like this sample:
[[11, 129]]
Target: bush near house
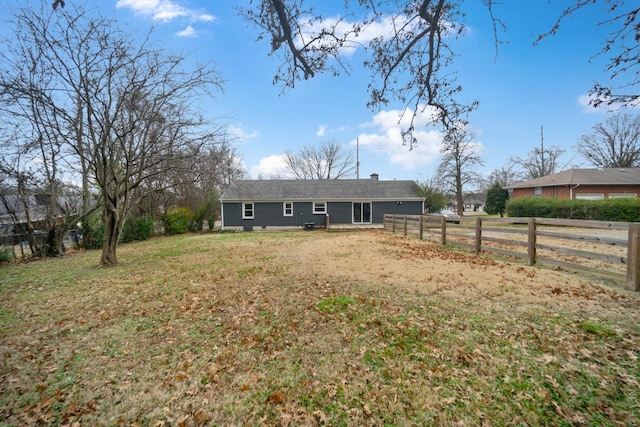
[[622, 209], [140, 228], [92, 230], [178, 220]]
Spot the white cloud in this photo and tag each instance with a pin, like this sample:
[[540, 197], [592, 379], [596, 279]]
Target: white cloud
[[187, 32], [341, 26], [164, 10], [239, 133], [386, 139], [584, 101], [322, 129], [271, 166]]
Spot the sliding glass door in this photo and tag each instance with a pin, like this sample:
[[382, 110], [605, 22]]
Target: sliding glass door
[[362, 212]]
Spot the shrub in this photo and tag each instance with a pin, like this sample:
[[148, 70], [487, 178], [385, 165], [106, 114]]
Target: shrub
[[178, 220], [497, 198], [92, 230], [6, 254], [140, 228], [623, 209]]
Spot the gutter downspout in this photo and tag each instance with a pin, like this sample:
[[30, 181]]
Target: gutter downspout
[[571, 191]]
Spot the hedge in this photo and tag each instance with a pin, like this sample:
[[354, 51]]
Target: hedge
[[619, 209]]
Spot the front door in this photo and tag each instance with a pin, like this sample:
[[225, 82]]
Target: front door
[[362, 212]]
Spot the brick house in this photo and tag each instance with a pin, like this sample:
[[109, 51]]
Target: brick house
[[594, 184]]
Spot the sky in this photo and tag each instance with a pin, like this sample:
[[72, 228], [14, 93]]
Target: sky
[[521, 90]]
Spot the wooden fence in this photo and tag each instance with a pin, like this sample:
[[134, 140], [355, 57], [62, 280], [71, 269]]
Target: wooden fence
[[605, 249]]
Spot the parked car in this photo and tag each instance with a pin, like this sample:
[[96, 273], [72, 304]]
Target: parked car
[[448, 215]]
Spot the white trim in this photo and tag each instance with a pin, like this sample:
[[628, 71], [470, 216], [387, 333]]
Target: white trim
[[253, 212], [622, 195], [284, 209], [353, 220], [316, 211], [590, 196]]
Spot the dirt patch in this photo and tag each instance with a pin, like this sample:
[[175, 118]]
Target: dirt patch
[[394, 260]]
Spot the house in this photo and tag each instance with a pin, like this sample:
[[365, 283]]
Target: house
[[281, 204], [594, 184]]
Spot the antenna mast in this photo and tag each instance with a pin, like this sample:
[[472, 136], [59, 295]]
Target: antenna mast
[[357, 158], [544, 171]]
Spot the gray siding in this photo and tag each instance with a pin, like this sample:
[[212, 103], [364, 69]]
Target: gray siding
[[379, 209], [271, 214]]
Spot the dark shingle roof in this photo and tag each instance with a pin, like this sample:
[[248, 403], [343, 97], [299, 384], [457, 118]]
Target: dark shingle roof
[[320, 189], [610, 176]]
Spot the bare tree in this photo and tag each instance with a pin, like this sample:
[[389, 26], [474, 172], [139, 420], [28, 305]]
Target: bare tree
[[616, 144], [411, 64], [622, 46], [123, 108], [505, 175], [539, 162], [457, 168], [328, 161]]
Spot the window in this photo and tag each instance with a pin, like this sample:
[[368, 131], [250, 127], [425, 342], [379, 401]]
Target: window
[[288, 208], [590, 196], [319, 208], [247, 211], [622, 195], [537, 191]]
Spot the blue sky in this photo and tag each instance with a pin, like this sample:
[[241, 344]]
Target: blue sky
[[520, 90]]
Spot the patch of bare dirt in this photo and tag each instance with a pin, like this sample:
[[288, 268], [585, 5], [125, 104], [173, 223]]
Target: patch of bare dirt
[[398, 261]]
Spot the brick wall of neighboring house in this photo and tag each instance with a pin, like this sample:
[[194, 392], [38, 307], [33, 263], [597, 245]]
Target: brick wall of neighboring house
[[563, 192]]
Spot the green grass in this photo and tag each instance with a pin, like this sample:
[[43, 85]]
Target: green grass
[[186, 331]]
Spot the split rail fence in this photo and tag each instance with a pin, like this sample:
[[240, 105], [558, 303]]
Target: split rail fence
[[606, 249]]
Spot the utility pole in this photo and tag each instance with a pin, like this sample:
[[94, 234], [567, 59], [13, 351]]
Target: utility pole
[[544, 171], [357, 158]]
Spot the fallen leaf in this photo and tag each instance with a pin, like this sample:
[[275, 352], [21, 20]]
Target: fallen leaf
[[277, 397]]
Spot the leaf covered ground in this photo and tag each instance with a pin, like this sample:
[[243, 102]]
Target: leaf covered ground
[[312, 328]]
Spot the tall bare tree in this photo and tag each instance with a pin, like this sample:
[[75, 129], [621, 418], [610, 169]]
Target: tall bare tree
[[615, 144], [411, 62], [123, 108], [540, 161], [460, 158], [328, 161]]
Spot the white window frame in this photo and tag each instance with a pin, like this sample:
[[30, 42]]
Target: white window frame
[[320, 208], [244, 210], [353, 219], [537, 191], [623, 195], [287, 206], [590, 196]]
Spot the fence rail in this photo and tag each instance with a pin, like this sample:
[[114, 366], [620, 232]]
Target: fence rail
[[606, 249]]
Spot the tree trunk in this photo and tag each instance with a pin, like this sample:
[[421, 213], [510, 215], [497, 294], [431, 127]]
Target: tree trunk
[[54, 245], [110, 238]]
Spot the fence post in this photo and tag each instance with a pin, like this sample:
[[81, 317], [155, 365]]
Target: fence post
[[443, 231], [405, 225], [393, 223], [421, 224], [633, 258], [531, 241], [478, 234]]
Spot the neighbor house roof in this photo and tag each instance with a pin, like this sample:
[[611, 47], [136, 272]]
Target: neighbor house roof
[[609, 176], [320, 189]]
